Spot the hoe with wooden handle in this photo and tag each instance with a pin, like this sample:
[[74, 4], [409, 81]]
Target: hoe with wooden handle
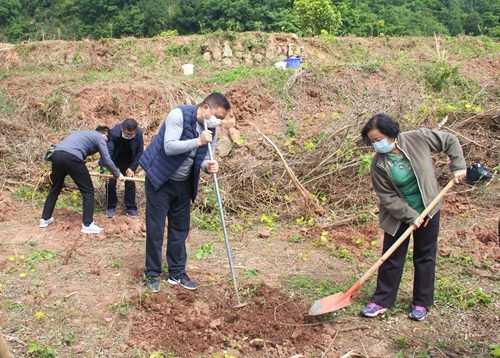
[[109, 176], [344, 299]]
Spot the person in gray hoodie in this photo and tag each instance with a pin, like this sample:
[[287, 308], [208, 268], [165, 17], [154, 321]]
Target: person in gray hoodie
[[405, 182], [69, 159]]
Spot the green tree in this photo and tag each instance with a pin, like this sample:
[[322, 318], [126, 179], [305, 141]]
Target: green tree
[[473, 24], [9, 9], [317, 15]]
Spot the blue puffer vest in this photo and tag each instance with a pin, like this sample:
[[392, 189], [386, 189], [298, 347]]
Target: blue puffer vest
[[159, 166]]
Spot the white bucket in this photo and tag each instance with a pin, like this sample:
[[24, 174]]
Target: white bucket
[[188, 69], [280, 65]]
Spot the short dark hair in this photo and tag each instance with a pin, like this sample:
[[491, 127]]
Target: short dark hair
[[384, 123], [103, 129], [217, 99], [130, 124]]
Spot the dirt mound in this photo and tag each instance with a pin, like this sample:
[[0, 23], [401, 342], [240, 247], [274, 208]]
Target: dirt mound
[[271, 323], [147, 103], [250, 103], [9, 207], [121, 227], [486, 236]]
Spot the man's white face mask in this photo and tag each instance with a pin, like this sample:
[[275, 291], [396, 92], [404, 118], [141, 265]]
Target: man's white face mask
[[213, 122]]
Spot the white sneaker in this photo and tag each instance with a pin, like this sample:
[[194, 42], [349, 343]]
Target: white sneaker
[[92, 229], [44, 223]]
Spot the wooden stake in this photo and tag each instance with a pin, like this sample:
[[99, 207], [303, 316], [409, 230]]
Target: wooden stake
[[4, 348]]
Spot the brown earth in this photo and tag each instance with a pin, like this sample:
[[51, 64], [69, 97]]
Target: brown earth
[[271, 323]]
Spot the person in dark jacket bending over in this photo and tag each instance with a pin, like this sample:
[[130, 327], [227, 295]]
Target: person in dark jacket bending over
[[69, 159], [405, 183], [126, 145], [172, 163]]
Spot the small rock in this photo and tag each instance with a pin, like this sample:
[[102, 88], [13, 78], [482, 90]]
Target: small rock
[[443, 251], [257, 343], [215, 323], [248, 60], [224, 146], [330, 331], [232, 353], [312, 93], [229, 122], [217, 54], [78, 349], [297, 333], [227, 50], [207, 56], [180, 319], [235, 135], [227, 61], [231, 318], [264, 233], [258, 57]]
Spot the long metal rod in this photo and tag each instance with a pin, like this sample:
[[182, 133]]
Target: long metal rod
[[223, 223]]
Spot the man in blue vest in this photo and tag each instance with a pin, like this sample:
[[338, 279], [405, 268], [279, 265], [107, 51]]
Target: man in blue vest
[[172, 163]]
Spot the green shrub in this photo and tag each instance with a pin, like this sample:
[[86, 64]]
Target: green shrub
[[440, 74], [38, 350]]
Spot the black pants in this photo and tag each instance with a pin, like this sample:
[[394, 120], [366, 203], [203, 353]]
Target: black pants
[[424, 261], [112, 198], [63, 164], [173, 200]]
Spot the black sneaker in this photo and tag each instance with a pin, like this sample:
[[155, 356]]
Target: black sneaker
[[110, 212], [152, 283], [183, 280], [132, 212]]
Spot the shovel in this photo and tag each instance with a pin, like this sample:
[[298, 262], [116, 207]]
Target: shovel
[[223, 224], [344, 299]]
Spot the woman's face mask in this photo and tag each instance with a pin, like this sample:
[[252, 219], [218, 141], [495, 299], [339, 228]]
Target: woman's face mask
[[383, 146]]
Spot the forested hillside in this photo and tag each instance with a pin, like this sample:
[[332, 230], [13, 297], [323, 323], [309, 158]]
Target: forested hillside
[[77, 19]]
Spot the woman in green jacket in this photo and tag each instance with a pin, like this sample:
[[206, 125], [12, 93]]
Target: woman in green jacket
[[404, 180]]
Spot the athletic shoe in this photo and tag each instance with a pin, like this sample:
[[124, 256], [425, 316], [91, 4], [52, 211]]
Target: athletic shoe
[[418, 313], [373, 310], [152, 283], [132, 212], [44, 223], [110, 212], [183, 280], [91, 229]]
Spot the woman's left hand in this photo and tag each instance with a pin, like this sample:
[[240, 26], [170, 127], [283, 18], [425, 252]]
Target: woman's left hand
[[460, 176]]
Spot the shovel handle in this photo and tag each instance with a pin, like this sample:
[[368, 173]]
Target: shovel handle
[[405, 235]]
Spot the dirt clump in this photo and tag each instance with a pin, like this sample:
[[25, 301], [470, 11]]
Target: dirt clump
[[208, 323], [9, 207], [250, 102]]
